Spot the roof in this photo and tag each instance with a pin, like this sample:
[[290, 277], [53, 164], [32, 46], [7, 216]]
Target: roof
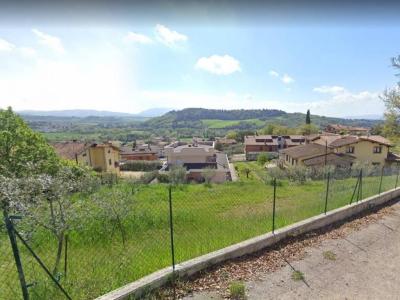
[[342, 141], [393, 157], [376, 139], [306, 150], [130, 151], [351, 139], [273, 139], [331, 159], [68, 150]]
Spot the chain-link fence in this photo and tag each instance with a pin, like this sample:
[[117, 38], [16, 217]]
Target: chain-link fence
[[125, 231]]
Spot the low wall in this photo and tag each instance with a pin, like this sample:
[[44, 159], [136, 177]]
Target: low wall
[[190, 267]]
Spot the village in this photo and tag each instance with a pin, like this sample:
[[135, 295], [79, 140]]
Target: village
[[337, 146]]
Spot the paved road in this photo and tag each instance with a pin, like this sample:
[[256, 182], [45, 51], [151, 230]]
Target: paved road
[[367, 266]]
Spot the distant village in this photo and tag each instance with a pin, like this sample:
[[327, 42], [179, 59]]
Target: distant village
[[337, 146]]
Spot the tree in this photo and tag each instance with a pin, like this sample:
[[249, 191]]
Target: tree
[[308, 117], [23, 151], [391, 98], [208, 174], [308, 129], [262, 159], [177, 175]]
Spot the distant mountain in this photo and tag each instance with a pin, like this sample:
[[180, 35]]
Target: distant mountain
[[367, 117], [154, 112], [199, 118], [80, 113]]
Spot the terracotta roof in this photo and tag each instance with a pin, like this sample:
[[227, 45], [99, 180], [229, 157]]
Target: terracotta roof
[[306, 150], [273, 139], [377, 139], [342, 141], [331, 159], [68, 150], [130, 151]]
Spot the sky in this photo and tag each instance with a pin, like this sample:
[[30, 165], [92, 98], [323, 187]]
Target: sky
[[121, 63]]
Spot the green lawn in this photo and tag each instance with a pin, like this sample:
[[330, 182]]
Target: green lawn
[[205, 219]]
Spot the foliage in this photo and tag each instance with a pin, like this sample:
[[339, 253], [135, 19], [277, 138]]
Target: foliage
[[237, 290], [297, 275], [308, 129], [262, 159], [308, 117], [23, 151], [140, 165], [208, 174], [276, 129], [177, 175]]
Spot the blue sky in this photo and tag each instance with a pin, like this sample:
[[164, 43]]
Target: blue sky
[[334, 70]]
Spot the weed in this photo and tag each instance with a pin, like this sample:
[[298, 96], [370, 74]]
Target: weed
[[237, 290], [297, 275], [329, 255]]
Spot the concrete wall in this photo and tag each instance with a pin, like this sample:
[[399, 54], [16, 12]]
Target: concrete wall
[[193, 266]]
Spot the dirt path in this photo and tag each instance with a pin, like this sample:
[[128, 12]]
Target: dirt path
[[361, 264]]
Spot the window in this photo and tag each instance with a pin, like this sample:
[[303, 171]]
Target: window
[[376, 164], [110, 162], [350, 149], [377, 149]]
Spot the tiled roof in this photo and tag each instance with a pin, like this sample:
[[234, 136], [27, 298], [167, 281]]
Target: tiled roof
[[68, 150], [342, 141], [307, 150], [377, 139], [331, 159]]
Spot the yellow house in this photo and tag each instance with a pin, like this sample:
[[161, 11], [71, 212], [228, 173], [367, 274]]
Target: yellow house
[[372, 149], [101, 157]]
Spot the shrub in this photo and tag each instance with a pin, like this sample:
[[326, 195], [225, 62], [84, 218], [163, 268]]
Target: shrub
[[141, 165], [237, 290], [262, 159], [177, 175]]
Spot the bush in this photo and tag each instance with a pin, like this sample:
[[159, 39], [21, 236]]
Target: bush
[[262, 159], [141, 165], [237, 290], [148, 177]]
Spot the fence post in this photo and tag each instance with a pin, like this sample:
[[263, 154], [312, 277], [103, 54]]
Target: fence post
[[171, 230], [66, 256], [355, 189], [397, 177], [273, 207], [380, 182], [327, 192], [359, 196], [17, 258]]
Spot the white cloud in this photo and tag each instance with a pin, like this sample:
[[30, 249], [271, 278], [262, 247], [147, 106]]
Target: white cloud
[[169, 37], [137, 38], [50, 41], [217, 64], [273, 73], [27, 52], [6, 46], [285, 78], [326, 89]]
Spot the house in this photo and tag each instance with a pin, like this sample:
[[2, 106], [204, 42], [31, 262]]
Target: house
[[254, 145], [342, 150], [313, 155], [343, 129], [141, 152], [101, 157], [198, 157]]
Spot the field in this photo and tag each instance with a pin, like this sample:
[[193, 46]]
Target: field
[[220, 124], [205, 218]]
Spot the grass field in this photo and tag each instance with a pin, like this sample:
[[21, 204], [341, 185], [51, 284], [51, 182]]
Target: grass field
[[220, 124], [205, 219]]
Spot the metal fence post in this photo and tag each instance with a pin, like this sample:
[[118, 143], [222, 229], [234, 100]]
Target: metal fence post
[[355, 189], [380, 182], [17, 258], [66, 256], [273, 207], [327, 192], [359, 196], [397, 177], [171, 230]]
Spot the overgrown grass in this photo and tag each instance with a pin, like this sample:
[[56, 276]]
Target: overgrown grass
[[219, 124], [205, 219]]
